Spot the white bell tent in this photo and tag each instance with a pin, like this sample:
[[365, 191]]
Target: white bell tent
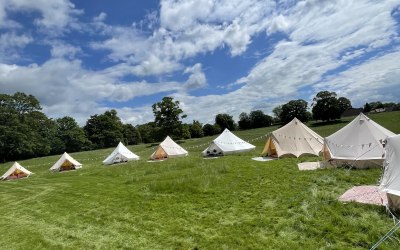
[[227, 143], [168, 149], [16, 171], [294, 139], [358, 144], [120, 154], [65, 163], [390, 182]]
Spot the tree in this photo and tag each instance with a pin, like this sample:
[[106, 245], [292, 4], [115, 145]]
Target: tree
[[245, 121], [367, 108], [344, 104], [209, 129], [104, 130], [225, 121], [24, 130], [376, 105], [292, 109], [71, 135], [131, 135], [196, 130], [326, 106], [259, 119], [148, 132], [167, 115]]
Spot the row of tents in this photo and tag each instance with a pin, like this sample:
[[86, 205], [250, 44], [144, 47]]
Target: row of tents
[[361, 143]]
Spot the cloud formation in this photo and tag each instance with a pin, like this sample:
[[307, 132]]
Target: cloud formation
[[350, 47]]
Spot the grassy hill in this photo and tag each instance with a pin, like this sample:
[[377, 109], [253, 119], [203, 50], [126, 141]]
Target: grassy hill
[[227, 203]]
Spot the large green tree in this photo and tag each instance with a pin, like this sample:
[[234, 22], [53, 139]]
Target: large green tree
[[225, 121], [72, 137], [326, 106], [292, 109], [24, 130], [131, 134], [104, 130], [259, 119], [168, 115], [244, 121], [196, 130]]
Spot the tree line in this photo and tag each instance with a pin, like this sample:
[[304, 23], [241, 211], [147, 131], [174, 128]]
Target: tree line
[[26, 132]]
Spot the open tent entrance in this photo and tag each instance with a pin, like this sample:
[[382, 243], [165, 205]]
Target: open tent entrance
[[214, 150], [159, 154], [66, 166], [17, 174]]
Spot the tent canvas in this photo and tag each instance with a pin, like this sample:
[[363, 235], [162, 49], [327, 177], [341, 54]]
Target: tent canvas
[[120, 154], [227, 143], [65, 163], [359, 143], [390, 181], [16, 171], [168, 149], [294, 139]]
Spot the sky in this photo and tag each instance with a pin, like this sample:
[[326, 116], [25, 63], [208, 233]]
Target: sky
[[81, 58]]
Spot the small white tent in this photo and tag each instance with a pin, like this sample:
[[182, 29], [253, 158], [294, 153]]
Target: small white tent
[[358, 144], [168, 149], [227, 143], [65, 163], [295, 139], [390, 182], [120, 154], [15, 172]]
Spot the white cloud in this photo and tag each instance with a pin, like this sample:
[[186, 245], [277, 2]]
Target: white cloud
[[197, 78], [55, 15], [322, 39], [10, 44]]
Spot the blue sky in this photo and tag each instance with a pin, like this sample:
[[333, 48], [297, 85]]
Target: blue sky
[[81, 58]]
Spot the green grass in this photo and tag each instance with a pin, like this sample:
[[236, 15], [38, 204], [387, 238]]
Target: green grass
[[227, 203]]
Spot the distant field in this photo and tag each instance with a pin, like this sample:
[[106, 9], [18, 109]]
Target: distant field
[[227, 203]]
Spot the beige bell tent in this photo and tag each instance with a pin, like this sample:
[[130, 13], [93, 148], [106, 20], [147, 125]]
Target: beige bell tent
[[120, 154], [168, 149], [390, 181], [358, 144], [227, 143], [65, 163], [15, 172], [293, 139]]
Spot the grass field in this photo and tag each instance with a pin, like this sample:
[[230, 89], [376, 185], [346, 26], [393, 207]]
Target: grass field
[[186, 203]]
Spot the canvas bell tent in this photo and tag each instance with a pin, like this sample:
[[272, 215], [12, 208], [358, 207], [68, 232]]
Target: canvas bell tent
[[16, 172], [390, 182], [65, 163], [168, 149], [358, 144], [120, 154], [227, 143], [293, 139]]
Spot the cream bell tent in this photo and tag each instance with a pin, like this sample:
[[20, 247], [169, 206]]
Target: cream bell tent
[[358, 144], [293, 139], [390, 182], [65, 163], [15, 172], [168, 149], [120, 154], [227, 143]]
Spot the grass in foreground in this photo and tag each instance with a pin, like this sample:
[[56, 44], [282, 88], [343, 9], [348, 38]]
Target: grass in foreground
[[227, 203]]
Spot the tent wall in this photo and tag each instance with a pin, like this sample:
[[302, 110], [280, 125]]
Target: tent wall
[[393, 201]]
